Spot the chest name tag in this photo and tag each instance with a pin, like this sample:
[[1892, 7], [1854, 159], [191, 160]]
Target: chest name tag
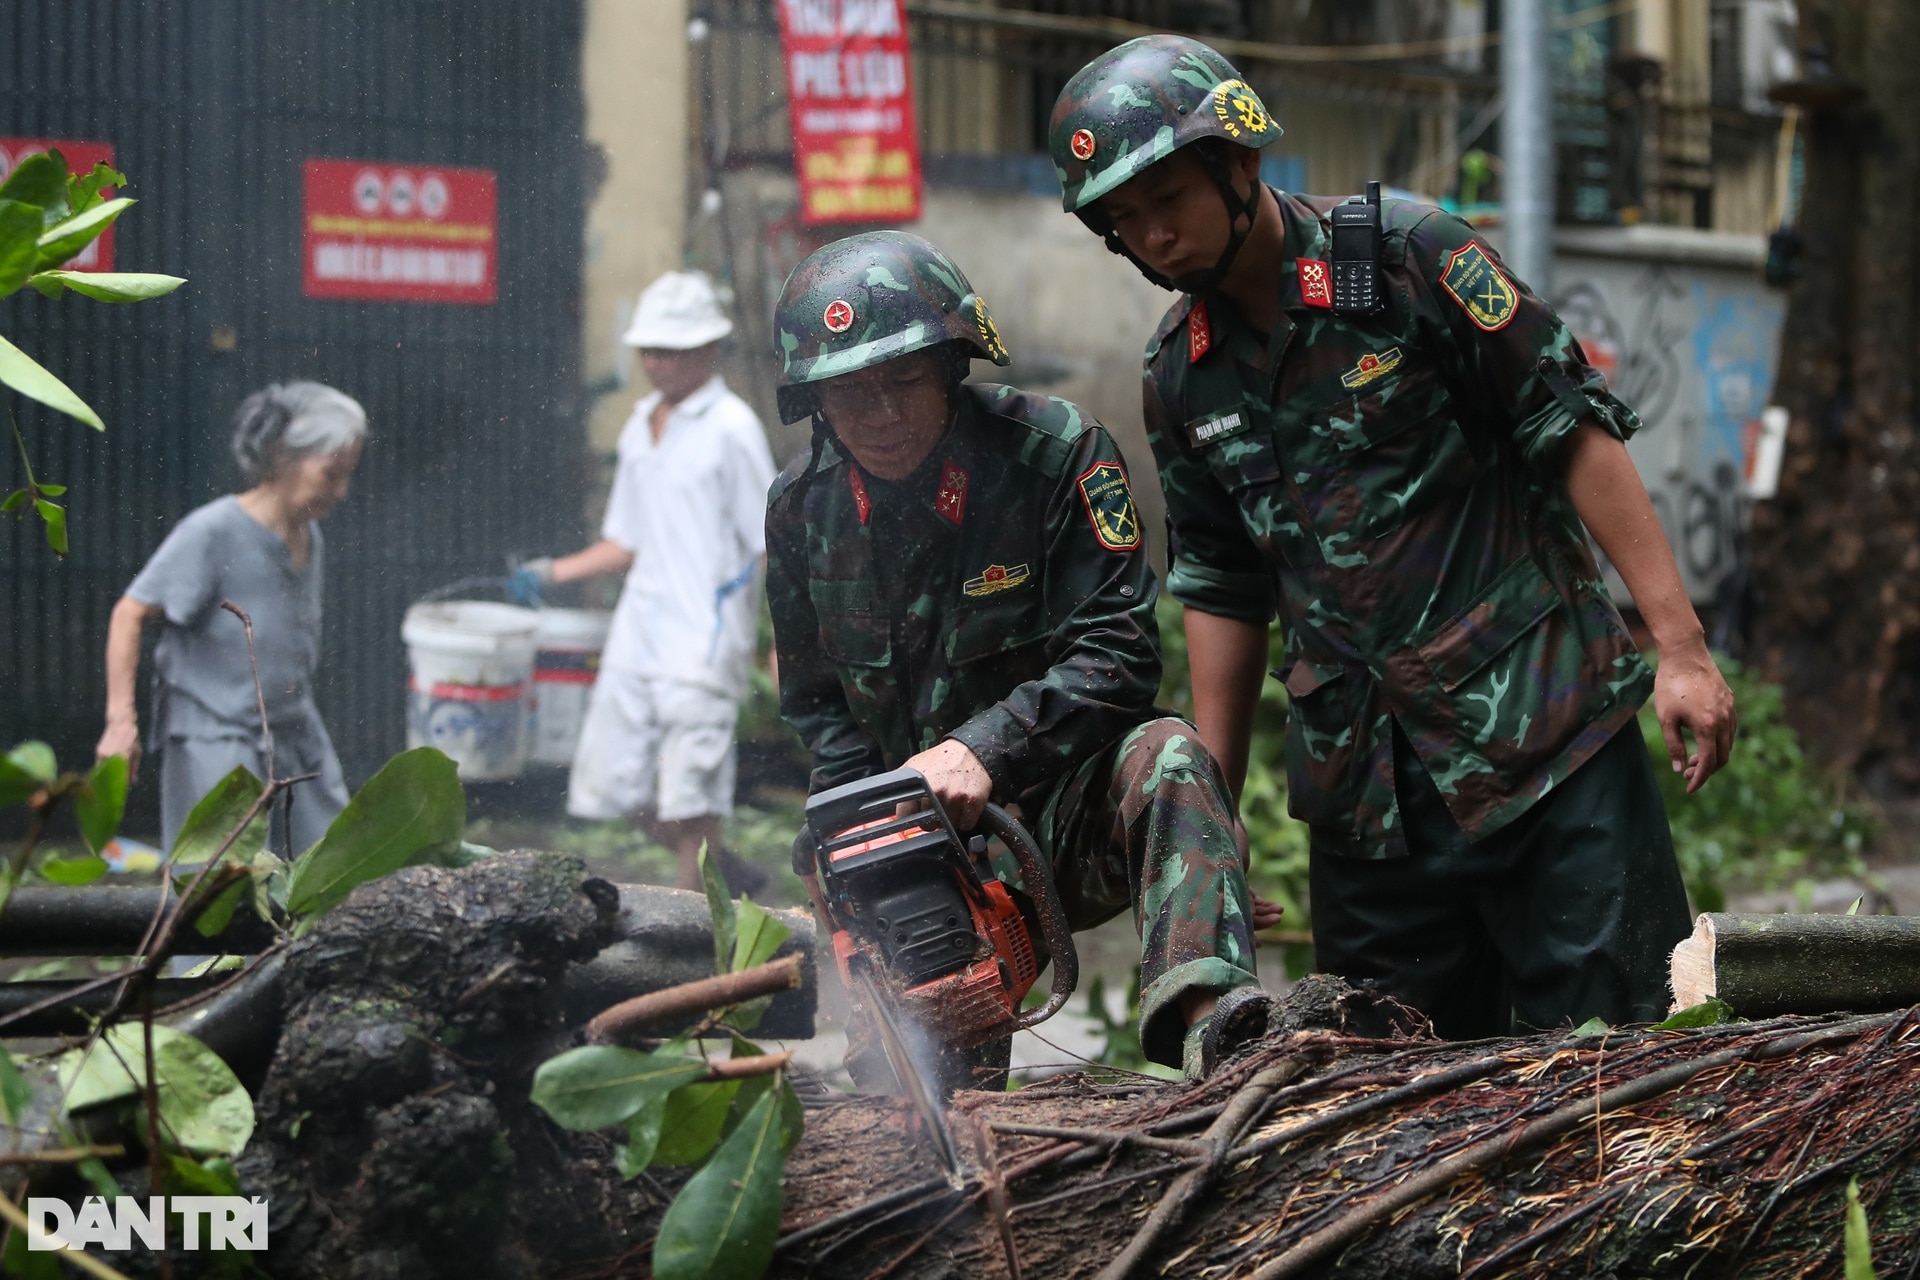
[[1206, 430]]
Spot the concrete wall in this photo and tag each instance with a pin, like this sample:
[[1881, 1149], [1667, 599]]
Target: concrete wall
[[635, 64]]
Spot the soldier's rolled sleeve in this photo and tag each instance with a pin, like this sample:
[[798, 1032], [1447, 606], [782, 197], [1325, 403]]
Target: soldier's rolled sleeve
[[1103, 652], [811, 697], [1527, 376], [1212, 562]]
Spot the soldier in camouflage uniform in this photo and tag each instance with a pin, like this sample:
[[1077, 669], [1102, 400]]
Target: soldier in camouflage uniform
[[1407, 488], [959, 586]]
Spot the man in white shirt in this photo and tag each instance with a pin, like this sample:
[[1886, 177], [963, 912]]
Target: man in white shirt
[[685, 523]]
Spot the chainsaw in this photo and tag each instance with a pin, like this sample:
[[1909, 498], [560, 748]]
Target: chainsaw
[[922, 924]]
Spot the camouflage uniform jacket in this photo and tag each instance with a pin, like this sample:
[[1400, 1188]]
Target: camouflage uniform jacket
[[1000, 596], [1393, 485]]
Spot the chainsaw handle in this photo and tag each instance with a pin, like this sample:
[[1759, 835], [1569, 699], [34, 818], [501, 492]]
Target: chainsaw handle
[[1038, 877]]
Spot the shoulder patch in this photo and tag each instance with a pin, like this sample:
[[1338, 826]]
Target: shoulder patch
[[1199, 333], [1471, 279], [1109, 503]]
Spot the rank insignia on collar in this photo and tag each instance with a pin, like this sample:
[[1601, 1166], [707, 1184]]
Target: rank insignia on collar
[[1103, 487], [1316, 283], [952, 499], [1486, 295], [861, 502], [1371, 366], [996, 578], [1199, 333]]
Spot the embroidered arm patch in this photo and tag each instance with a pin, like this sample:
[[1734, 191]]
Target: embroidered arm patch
[[1109, 502], [1472, 280]]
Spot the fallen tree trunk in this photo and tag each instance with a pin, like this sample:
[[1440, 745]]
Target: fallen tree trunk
[[1765, 965]]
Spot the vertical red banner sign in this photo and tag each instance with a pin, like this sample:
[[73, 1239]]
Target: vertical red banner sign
[[80, 158], [856, 147], [386, 232]]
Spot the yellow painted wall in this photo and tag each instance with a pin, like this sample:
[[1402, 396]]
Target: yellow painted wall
[[635, 68]]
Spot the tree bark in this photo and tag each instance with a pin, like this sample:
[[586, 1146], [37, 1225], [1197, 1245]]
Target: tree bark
[[1836, 556]]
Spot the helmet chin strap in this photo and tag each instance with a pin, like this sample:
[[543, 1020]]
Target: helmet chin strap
[[1238, 207]]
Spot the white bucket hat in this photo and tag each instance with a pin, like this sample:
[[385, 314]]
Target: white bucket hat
[[678, 312]]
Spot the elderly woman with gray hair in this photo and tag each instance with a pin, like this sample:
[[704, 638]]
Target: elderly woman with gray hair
[[297, 444]]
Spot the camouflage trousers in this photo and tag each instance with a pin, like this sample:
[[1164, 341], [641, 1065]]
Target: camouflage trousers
[[1147, 824]]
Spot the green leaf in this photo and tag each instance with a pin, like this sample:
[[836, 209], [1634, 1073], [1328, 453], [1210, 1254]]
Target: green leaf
[[51, 490], [41, 181], [759, 936], [19, 243], [1708, 1013], [83, 189], [218, 914], [59, 243], [19, 1262], [204, 1110], [16, 1094], [218, 812], [21, 372], [215, 1177], [1854, 910], [414, 803], [74, 871], [1859, 1242], [16, 500], [94, 1170], [102, 802], [23, 771], [56, 522], [110, 286], [1591, 1027], [720, 907], [696, 1117], [643, 1136], [722, 1224], [601, 1084]]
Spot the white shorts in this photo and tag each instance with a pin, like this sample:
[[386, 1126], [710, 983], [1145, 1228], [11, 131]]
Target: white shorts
[[653, 745]]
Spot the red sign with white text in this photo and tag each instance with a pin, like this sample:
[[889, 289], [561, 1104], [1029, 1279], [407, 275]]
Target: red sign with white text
[[400, 232], [856, 149], [80, 158]]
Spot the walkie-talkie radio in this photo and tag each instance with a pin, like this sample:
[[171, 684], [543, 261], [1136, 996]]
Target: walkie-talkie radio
[[1356, 254]]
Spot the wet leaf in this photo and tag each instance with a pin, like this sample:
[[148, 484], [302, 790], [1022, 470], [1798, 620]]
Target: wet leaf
[[16, 500], [1708, 1013], [760, 935], [218, 914], [74, 871], [102, 802], [219, 812], [204, 1110], [414, 803], [41, 181], [696, 1117], [83, 189], [723, 1223], [16, 1094], [21, 372], [643, 1137], [601, 1084], [54, 516], [24, 770], [60, 242], [20, 225], [110, 286], [1859, 1241], [720, 907], [1591, 1027]]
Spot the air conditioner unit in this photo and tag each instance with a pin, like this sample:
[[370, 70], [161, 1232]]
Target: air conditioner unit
[[1753, 50]]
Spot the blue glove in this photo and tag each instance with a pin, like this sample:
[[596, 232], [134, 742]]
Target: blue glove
[[525, 584]]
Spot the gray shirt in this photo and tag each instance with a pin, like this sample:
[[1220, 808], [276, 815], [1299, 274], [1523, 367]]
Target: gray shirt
[[202, 685]]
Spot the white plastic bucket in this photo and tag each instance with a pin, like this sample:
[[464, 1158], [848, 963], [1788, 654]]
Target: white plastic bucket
[[470, 683], [565, 664]]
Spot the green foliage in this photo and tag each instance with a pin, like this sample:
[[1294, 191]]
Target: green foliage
[[1276, 841], [204, 1109], [1770, 819], [1710, 1012], [30, 778], [215, 816], [46, 217], [16, 1094], [413, 807], [724, 1220], [1120, 1037], [1858, 1242], [101, 803], [1590, 1028]]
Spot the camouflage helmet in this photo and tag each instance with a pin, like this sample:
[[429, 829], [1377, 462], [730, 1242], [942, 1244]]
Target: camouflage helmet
[[866, 299], [1138, 104]]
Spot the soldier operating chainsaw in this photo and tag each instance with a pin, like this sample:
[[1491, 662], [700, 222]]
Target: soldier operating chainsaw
[[960, 589]]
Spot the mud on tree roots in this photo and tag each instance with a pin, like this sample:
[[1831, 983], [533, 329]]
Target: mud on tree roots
[[394, 1133]]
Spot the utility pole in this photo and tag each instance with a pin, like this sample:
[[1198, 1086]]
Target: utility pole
[[1526, 142]]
